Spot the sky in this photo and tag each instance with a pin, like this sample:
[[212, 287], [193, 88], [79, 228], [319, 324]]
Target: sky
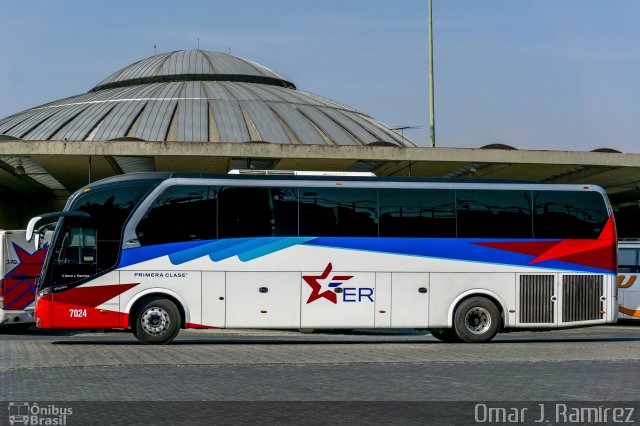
[[532, 74]]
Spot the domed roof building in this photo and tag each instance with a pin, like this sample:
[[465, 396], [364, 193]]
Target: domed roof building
[[200, 111], [199, 96]]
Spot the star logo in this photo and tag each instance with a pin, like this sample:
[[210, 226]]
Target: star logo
[[314, 282], [19, 284]]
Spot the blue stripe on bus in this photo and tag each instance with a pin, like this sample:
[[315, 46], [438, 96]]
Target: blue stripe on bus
[[248, 249], [271, 245], [450, 248], [245, 248], [212, 246], [142, 254], [20, 308]]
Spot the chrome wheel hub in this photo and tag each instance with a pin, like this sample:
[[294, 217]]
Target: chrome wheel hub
[[155, 321], [477, 320]]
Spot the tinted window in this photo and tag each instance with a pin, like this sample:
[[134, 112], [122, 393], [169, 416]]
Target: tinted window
[[180, 213], [75, 254], [628, 260], [493, 214], [338, 211], [257, 212], [417, 213], [78, 246], [564, 214], [109, 210]]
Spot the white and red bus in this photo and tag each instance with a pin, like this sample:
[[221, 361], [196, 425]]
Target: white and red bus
[[20, 263], [157, 252]]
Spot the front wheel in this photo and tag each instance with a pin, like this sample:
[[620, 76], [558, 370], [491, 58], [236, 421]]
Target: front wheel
[[157, 322], [476, 320]]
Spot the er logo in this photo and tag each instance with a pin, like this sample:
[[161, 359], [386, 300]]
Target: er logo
[[349, 294]]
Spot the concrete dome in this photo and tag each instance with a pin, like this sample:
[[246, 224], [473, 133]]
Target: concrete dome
[[192, 65], [199, 96]]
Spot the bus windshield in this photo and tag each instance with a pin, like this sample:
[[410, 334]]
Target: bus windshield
[[84, 247]]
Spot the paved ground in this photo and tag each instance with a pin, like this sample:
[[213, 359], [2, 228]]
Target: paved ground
[[591, 364]]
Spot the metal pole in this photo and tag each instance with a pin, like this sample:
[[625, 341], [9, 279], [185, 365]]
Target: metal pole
[[432, 126]]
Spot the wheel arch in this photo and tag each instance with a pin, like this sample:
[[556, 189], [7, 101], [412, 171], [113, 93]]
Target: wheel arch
[[139, 298], [497, 300]]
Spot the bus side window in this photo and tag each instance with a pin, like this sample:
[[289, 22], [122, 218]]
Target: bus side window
[[628, 261], [257, 212], [493, 213], [338, 211], [568, 214], [419, 213], [180, 213]]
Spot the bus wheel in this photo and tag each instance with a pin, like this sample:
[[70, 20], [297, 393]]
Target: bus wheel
[[157, 322], [445, 335], [476, 320]]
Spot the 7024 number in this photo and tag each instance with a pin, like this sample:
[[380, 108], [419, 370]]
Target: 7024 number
[[77, 313]]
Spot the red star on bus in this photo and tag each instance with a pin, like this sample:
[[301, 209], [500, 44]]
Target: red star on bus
[[19, 285], [316, 287]]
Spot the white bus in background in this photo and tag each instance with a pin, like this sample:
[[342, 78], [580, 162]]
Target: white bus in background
[[628, 280], [158, 252], [20, 262]]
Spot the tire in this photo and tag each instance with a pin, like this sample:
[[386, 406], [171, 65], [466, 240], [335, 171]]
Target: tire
[[476, 320], [445, 335], [157, 322]]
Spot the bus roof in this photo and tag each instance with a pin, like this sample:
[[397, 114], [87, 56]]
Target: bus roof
[[161, 176], [359, 181]]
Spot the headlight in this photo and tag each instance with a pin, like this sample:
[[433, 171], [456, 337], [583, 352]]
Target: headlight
[[44, 292]]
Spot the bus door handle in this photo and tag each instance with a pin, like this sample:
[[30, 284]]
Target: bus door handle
[[263, 290], [338, 290], [422, 290], [554, 298]]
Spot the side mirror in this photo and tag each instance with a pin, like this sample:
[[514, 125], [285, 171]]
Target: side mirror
[[55, 215], [30, 228], [36, 240]]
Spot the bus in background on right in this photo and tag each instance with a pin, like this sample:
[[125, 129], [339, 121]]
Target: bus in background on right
[[628, 282]]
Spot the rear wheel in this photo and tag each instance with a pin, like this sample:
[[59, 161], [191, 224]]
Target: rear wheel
[[157, 322], [476, 320], [445, 335]]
